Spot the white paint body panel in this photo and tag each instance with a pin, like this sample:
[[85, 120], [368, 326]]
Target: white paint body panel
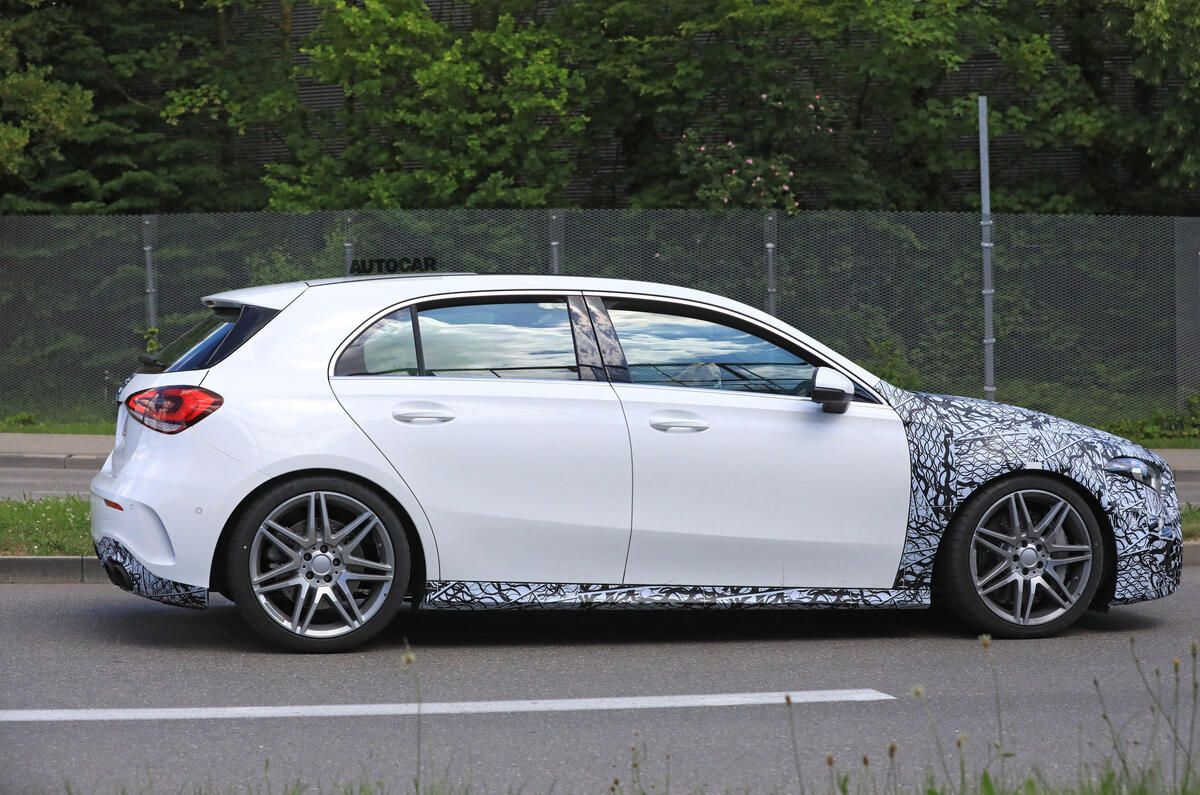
[[526, 480], [764, 490], [531, 480]]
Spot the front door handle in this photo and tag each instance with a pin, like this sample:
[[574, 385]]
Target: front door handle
[[421, 414], [677, 424]]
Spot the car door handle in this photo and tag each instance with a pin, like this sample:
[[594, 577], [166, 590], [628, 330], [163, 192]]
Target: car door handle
[[421, 415], [676, 424]]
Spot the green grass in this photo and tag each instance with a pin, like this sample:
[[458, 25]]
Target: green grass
[[1189, 518], [96, 428], [48, 526], [28, 422]]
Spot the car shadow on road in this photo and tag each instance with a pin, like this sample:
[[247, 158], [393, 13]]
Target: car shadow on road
[[220, 628]]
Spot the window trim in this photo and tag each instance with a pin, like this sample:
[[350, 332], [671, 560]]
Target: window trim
[[415, 305], [597, 302]]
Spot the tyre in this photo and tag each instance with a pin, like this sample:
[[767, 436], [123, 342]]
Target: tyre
[[318, 564], [1023, 558]]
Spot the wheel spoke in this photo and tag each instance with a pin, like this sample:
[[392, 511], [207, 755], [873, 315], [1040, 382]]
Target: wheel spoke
[[1071, 559], [277, 586], [272, 532], [326, 527], [368, 564], [1056, 515], [1001, 567], [350, 528], [1011, 578], [983, 542], [1051, 585], [343, 591], [318, 594], [1011, 540], [362, 533], [310, 528], [273, 573], [1018, 610], [354, 575], [1029, 600], [301, 598]]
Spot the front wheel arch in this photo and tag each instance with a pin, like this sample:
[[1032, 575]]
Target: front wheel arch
[[1107, 584], [417, 576]]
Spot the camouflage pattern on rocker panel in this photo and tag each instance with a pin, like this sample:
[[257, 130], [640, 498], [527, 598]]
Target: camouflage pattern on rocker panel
[[151, 586], [957, 444], [463, 595]]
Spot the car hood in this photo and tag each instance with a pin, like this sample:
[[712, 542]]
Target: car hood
[[975, 429]]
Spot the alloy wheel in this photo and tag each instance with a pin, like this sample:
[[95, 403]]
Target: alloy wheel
[[321, 564]]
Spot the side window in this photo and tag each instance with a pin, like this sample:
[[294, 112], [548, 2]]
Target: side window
[[388, 347], [669, 349], [499, 340], [503, 339]]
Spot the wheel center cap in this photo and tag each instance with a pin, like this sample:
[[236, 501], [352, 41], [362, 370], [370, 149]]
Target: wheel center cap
[[321, 565], [1029, 557]]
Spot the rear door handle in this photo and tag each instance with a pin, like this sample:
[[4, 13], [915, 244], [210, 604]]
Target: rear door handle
[[421, 414], [671, 424]]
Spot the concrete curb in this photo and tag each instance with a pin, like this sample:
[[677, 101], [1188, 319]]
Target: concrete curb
[[61, 569], [42, 461], [51, 569]]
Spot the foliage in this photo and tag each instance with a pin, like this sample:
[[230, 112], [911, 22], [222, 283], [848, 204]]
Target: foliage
[[437, 115], [1182, 424], [123, 157]]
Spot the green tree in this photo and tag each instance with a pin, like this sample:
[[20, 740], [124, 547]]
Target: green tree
[[436, 115], [38, 111]]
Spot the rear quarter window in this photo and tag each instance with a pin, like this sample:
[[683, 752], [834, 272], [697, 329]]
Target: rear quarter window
[[210, 340]]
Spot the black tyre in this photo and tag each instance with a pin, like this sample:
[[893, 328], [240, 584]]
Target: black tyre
[[318, 564], [1023, 559]]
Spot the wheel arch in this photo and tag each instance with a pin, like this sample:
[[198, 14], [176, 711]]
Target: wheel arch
[[1108, 578], [417, 574]]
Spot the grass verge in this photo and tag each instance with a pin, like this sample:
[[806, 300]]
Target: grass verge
[[46, 526], [94, 428]]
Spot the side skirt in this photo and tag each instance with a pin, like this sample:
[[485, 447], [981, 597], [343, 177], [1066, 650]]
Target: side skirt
[[471, 595]]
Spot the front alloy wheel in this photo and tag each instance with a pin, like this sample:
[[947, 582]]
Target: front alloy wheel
[[319, 564], [1024, 558]]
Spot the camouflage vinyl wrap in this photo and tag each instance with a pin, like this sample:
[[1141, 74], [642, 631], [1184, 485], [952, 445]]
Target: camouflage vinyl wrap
[[958, 444], [462, 595], [143, 583]]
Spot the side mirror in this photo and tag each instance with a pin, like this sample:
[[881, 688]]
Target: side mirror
[[832, 390]]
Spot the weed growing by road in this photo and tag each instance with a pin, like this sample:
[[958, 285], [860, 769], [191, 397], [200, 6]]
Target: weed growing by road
[[47, 526]]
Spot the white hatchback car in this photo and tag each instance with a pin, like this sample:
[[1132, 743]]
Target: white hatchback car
[[327, 452]]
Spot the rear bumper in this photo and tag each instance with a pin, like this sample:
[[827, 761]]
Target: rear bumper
[[125, 570]]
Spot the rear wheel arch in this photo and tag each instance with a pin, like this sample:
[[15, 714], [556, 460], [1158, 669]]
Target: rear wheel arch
[[417, 575]]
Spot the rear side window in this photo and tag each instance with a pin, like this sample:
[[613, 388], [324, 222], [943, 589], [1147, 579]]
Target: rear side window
[[499, 339], [210, 340]]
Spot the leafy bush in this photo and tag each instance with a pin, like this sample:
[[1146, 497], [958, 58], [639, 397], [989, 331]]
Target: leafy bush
[[1160, 424]]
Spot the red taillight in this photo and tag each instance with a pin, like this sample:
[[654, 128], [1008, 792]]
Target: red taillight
[[170, 409]]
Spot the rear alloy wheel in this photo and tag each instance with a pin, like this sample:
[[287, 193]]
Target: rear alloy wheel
[[1023, 559], [319, 564]]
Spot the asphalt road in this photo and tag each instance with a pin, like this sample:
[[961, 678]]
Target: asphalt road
[[81, 646], [20, 482]]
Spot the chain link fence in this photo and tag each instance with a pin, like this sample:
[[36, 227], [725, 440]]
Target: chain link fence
[[1097, 318]]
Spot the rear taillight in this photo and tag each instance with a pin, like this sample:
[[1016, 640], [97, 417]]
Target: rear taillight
[[170, 409]]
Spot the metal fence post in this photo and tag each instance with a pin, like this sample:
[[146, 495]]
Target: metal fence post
[[769, 236], [348, 245], [989, 291], [555, 239], [151, 290]]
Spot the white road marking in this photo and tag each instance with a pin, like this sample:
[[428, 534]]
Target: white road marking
[[442, 708]]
